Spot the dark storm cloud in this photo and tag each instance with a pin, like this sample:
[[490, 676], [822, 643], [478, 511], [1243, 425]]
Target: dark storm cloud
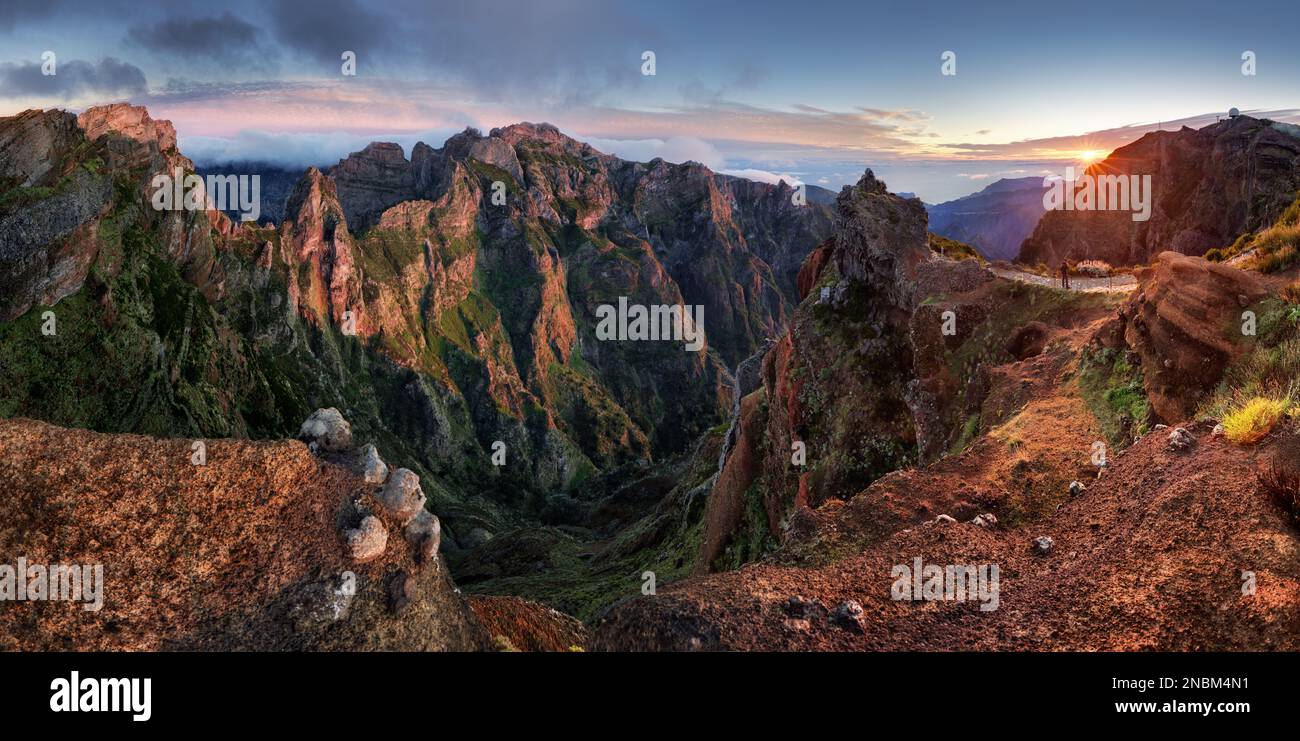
[[107, 78], [325, 29], [14, 11], [225, 39], [565, 52]]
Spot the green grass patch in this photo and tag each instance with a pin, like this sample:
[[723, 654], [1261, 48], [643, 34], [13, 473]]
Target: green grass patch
[[1112, 388]]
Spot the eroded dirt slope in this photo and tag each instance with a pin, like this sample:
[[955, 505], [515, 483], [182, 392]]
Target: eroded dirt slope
[[1151, 556]]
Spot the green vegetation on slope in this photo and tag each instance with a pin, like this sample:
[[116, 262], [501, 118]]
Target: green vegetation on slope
[[1112, 388], [1276, 247]]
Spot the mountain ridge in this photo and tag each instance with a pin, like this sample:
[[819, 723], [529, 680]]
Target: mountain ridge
[[1210, 186], [468, 323]]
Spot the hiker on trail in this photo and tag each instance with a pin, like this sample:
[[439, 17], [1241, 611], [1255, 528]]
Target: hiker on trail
[[1065, 275]]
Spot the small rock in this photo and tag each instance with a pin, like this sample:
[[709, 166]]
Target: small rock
[[988, 519], [1077, 488], [944, 519], [324, 602], [424, 532], [798, 625], [849, 615], [1218, 431], [1043, 545], [367, 542], [1181, 439], [401, 591], [328, 430], [804, 609], [371, 466], [401, 497], [1160, 427]]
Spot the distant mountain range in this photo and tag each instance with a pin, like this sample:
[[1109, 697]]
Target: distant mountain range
[[277, 183], [996, 220]]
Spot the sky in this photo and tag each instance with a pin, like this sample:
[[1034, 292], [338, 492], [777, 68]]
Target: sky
[[808, 92]]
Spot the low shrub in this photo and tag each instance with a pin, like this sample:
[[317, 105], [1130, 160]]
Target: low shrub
[[1251, 422], [1280, 478]]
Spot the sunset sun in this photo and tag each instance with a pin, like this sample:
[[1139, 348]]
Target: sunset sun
[[1088, 156]]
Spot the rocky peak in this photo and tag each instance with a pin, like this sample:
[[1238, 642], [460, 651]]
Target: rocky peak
[[31, 144], [880, 239], [316, 233], [130, 121], [370, 181], [458, 145], [313, 198], [537, 132], [492, 150]]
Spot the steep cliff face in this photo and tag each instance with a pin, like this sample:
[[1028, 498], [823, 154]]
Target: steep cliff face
[[372, 180], [50, 210], [1209, 186], [732, 245], [325, 282], [830, 412], [888, 362]]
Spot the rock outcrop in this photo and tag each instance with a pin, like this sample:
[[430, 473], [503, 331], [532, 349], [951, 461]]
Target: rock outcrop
[[49, 215], [836, 380], [327, 430], [1184, 321]]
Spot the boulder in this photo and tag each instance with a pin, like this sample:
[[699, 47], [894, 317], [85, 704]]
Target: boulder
[[401, 591], [424, 533], [371, 466], [402, 497], [367, 542], [1180, 439], [328, 430], [849, 615]]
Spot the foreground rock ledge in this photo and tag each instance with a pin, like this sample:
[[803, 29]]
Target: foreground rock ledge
[[244, 553]]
